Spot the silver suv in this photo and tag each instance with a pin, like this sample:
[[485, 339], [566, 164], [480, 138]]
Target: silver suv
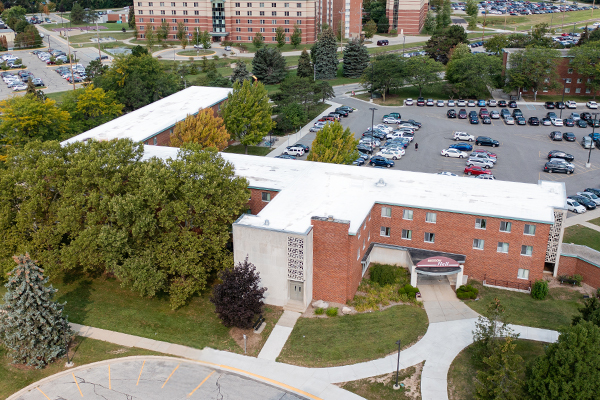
[[480, 163]]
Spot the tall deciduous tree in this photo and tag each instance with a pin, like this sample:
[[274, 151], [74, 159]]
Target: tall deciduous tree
[[326, 61], [472, 74], [305, 66], [163, 31], [90, 107], [370, 28], [98, 207], [533, 68], [247, 113], [497, 43], [296, 37], [585, 62], [430, 23], [182, 35], [268, 65], [383, 25], [423, 72], [239, 298], [386, 72], [240, 73], [204, 129], [205, 39], [280, 36], [356, 59], [258, 41], [150, 37], [589, 312], [335, 145], [442, 41], [32, 325], [570, 368], [472, 10]]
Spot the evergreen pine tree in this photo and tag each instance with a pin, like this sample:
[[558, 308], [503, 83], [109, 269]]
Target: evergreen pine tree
[[268, 65], [32, 325], [356, 59], [326, 61], [240, 73], [30, 87], [305, 67]]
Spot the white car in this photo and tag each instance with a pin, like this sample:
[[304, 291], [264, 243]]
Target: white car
[[508, 120], [470, 103], [440, 103], [463, 136], [19, 87], [446, 173], [489, 177], [453, 153], [408, 102], [575, 116], [574, 206], [590, 196], [371, 141], [406, 125], [494, 114], [460, 103], [383, 128], [294, 151], [451, 103], [592, 104], [395, 134], [556, 121], [492, 103], [392, 154], [480, 163], [570, 104], [390, 120]]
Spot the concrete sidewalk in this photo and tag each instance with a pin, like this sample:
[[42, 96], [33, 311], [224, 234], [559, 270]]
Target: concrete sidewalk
[[279, 335], [579, 219]]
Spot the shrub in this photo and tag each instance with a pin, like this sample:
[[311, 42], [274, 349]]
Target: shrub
[[216, 57], [332, 312], [384, 274], [467, 292], [409, 290], [539, 291], [578, 278], [320, 311], [393, 32]]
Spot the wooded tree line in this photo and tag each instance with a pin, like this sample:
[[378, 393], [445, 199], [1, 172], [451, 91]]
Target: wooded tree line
[[97, 207]]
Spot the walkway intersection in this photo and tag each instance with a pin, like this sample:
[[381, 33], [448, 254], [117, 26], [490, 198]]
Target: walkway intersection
[[450, 331]]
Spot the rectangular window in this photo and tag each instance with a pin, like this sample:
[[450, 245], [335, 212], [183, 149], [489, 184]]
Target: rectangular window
[[429, 237], [286, 14], [185, 21], [407, 214], [286, 22], [195, 4], [249, 29], [364, 243], [299, 14], [286, 4], [151, 19], [478, 244], [480, 223], [523, 274], [249, 21], [197, 13], [567, 90], [162, 4], [151, 12], [173, 12], [431, 217], [505, 226], [174, 28], [386, 212], [529, 229], [172, 4], [273, 22], [579, 80], [154, 140], [248, 4], [526, 250], [273, 4], [238, 38], [238, 29], [273, 39], [261, 4], [185, 12], [237, 4], [385, 231], [140, 12], [406, 234], [578, 90], [261, 13], [249, 13], [237, 13], [185, 4], [299, 22], [287, 30], [140, 4], [238, 21], [568, 80], [273, 30], [262, 29], [141, 27], [262, 21], [266, 196], [502, 247], [299, 5], [162, 12], [273, 13], [570, 71], [588, 90]]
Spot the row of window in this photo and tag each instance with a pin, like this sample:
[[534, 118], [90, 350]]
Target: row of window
[[286, 30], [162, 4], [237, 21], [299, 5], [480, 223], [185, 21], [273, 13], [163, 12], [274, 39]]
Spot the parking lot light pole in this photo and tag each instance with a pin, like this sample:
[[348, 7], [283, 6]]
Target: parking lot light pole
[[563, 96], [373, 109], [396, 385], [588, 164]]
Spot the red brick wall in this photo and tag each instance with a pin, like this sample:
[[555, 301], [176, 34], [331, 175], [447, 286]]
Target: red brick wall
[[256, 203], [572, 266]]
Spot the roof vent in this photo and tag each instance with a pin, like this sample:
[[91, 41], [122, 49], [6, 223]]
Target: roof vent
[[266, 222], [380, 182], [330, 218]]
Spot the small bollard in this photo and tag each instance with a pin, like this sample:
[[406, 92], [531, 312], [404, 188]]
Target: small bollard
[[244, 344]]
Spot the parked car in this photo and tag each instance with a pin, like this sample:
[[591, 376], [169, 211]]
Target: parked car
[[592, 105], [582, 123], [546, 121], [480, 103], [494, 114], [440, 103], [587, 142], [571, 104], [561, 154], [486, 152], [392, 154], [588, 204], [489, 177], [451, 103], [471, 103], [508, 120], [521, 121], [560, 105], [575, 116], [429, 103], [549, 105], [534, 121], [451, 113], [556, 135], [551, 167], [461, 103], [475, 170], [294, 151], [569, 136], [479, 163], [420, 102], [346, 108], [455, 153], [482, 156], [492, 103], [380, 161], [574, 206], [383, 42], [593, 190], [502, 103], [590, 197], [462, 114], [486, 141], [462, 146], [556, 121], [568, 122], [408, 102], [463, 136], [343, 113], [512, 104], [390, 120], [473, 119]]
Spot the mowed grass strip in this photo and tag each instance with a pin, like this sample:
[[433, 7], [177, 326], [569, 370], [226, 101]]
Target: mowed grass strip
[[15, 377], [555, 312], [578, 234], [463, 369], [349, 339]]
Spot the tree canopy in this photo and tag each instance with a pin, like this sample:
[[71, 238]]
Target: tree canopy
[[385, 72], [90, 107], [533, 68], [335, 145], [356, 59], [204, 129], [443, 40], [325, 56], [585, 62], [305, 66], [423, 72], [268, 65], [472, 74], [160, 226]]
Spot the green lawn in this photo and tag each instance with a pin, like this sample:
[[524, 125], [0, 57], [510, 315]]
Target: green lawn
[[110, 27], [195, 53], [252, 150], [381, 387], [526, 21], [408, 47], [555, 312], [57, 96], [349, 339], [464, 368], [102, 303], [86, 37], [579, 234], [595, 221], [397, 96], [12, 378]]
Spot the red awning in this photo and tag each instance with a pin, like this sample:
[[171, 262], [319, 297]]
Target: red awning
[[443, 262]]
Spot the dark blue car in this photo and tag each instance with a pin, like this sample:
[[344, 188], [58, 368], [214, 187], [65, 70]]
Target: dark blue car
[[380, 161], [462, 146]]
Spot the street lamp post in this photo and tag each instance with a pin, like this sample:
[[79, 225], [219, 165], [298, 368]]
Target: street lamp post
[[373, 109], [588, 164], [563, 96], [397, 386], [403, 43]]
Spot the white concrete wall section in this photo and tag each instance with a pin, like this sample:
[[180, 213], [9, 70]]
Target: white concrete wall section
[[267, 249], [383, 255]]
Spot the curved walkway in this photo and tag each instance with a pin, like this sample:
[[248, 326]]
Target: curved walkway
[[439, 346]]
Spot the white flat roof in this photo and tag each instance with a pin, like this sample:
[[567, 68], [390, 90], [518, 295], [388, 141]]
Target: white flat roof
[[142, 124], [347, 192]]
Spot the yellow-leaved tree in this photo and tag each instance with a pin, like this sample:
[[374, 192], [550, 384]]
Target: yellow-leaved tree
[[204, 129]]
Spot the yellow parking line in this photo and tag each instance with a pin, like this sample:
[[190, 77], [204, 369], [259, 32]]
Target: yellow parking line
[[170, 376], [140, 375], [109, 386], [43, 393], [201, 383], [75, 379]]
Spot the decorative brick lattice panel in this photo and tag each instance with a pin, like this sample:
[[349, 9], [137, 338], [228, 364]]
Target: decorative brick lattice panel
[[553, 237], [295, 259]]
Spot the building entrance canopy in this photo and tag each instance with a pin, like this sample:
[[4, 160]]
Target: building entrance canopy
[[438, 266]]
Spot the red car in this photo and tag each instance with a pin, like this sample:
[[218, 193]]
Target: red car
[[484, 113], [476, 171], [462, 114], [489, 153]]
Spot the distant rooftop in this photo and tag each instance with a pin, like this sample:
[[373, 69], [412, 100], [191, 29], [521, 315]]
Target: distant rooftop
[[146, 122]]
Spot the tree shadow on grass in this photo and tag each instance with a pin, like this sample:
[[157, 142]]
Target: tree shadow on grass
[[77, 301]]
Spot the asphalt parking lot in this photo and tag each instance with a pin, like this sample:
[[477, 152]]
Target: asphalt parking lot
[[521, 156]]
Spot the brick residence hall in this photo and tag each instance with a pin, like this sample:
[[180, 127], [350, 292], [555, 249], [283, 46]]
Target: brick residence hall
[[312, 229]]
